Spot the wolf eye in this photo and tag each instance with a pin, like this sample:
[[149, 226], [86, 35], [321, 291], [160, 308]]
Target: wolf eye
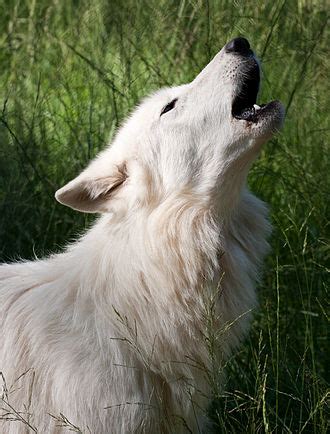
[[169, 106]]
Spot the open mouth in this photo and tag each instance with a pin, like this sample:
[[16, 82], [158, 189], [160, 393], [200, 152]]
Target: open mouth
[[244, 106]]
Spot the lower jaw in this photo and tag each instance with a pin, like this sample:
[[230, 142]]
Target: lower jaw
[[256, 113]]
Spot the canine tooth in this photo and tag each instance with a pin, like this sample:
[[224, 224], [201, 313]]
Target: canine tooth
[[256, 106]]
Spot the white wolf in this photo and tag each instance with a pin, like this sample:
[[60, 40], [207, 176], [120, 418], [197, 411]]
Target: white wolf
[[111, 335]]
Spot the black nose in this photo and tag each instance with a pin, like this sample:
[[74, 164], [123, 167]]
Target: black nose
[[238, 46]]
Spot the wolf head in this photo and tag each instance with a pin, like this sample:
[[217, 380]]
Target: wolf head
[[198, 139]]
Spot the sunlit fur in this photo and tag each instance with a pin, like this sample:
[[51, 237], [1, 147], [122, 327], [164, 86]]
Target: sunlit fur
[[113, 333]]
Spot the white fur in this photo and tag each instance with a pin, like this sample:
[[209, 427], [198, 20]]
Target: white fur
[[112, 333]]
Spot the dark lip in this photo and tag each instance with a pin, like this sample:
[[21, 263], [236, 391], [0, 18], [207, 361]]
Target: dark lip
[[247, 92]]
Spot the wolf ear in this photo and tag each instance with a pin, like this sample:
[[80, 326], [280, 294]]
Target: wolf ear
[[89, 193]]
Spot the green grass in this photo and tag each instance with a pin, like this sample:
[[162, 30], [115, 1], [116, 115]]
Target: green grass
[[71, 71]]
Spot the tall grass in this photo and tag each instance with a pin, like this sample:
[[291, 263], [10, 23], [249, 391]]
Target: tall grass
[[71, 71]]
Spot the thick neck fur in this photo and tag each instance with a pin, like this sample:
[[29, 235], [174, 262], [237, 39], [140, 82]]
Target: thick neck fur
[[166, 258]]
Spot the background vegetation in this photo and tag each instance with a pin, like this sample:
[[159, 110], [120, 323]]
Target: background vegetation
[[72, 70]]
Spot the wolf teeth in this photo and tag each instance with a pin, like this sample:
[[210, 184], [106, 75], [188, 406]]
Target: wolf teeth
[[256, 106]]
